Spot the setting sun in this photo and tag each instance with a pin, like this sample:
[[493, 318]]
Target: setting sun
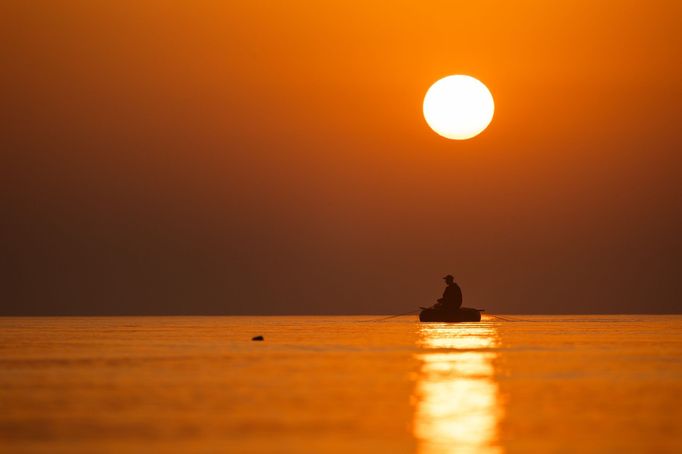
[[458, 107]]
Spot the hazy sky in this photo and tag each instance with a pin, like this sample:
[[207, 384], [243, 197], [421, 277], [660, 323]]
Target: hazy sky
[[251, 157]]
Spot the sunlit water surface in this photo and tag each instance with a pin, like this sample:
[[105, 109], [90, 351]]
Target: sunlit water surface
[[337, 384]]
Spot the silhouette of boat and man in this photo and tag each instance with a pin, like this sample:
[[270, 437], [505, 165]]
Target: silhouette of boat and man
[[449, 307]]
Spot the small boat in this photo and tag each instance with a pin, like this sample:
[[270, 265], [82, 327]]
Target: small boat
[[463, 314]]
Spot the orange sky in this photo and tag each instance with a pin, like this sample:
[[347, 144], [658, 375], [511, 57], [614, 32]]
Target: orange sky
[[271, 157]]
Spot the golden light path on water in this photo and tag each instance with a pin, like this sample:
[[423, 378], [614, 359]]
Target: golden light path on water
[[457, 397]]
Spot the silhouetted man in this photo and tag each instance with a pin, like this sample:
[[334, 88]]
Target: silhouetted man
[[452, 296]]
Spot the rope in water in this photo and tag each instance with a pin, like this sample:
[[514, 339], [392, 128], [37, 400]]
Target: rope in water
[[503, 318], [390, 316], [510, 319]]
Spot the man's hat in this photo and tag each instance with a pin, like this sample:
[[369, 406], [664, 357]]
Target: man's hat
[[449, 276]]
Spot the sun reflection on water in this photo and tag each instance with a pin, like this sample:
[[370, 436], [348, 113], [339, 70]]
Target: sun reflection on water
[[456, 396]]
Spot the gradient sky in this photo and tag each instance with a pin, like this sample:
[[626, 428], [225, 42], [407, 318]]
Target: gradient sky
[[249, 157]]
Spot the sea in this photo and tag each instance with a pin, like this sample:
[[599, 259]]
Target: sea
[[341, 384]]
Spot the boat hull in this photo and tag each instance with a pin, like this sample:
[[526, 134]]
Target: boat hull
[[463, 314]]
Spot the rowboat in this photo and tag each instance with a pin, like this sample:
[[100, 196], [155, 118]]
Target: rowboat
[[463, 314]]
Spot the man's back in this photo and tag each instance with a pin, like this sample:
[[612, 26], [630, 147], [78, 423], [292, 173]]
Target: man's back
[[452, 296]]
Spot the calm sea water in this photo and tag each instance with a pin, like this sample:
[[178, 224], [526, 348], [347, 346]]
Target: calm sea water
[[336, 384]]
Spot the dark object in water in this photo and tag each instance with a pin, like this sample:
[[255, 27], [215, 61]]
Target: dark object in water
[[257, 338], [463, 314]]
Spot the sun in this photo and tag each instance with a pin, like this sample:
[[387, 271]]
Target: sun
[[458, 107]]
